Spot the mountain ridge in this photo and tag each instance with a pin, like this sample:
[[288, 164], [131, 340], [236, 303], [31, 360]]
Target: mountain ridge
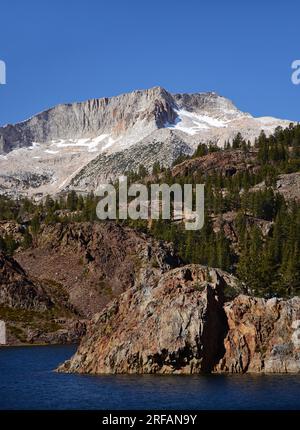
[[43, 154]]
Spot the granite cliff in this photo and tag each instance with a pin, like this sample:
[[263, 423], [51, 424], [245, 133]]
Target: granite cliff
[[195, 319]]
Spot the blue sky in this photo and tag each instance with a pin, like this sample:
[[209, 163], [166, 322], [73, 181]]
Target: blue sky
[[63, 51]]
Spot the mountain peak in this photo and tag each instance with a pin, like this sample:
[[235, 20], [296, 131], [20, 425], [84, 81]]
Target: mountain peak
[[48, 149]]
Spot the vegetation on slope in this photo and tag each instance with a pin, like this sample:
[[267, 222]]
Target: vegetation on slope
[[268, 263]]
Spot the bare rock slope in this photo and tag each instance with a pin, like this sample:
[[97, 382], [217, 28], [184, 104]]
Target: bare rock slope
[[70, 272], [95, 262], [35, 312]]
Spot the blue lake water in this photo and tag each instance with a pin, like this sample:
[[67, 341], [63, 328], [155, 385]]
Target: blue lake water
[[27, 381]]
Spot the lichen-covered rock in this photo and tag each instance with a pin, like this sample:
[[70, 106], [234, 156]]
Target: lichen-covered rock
[[263, 336], [176, 326]]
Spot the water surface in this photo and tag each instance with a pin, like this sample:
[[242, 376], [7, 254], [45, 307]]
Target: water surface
[[27, 381]]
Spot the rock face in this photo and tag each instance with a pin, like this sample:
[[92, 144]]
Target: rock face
[[96, 262], [287, 184], [70, 272], [176, 326], [163, 146], [92, 118], [226, 162], [17, 290], [35, 312], [13, 229], [195, 319], [2, 333], [56, 148], [263, 336], [227, 222]]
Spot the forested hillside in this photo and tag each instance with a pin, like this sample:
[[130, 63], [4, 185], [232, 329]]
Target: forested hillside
[[252, 225]]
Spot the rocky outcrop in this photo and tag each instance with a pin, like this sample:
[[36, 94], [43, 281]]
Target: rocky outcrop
[[35, 312], [196, 319], [17, 290], [287, 184], [227, 163], [96, 262], [263, 336], [228, 223], [71, 271], [12, 229], [175, 326], [56, 332]]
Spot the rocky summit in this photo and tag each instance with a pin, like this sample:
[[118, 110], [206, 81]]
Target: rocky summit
[[195, 319], [76, 146]]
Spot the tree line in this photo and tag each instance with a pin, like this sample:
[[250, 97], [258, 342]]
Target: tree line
[[266, 251]]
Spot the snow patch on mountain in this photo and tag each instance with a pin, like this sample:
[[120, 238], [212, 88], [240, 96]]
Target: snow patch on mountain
[[49, 151], [193, 123], [91, 144]]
